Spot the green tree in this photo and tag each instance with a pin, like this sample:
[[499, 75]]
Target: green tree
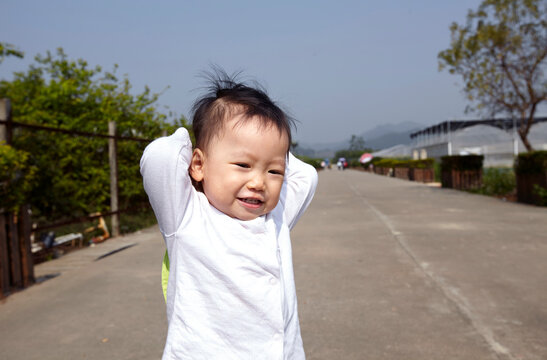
[[355, 149], [15, 177], [9, 50], [72, 176], [501, 54]]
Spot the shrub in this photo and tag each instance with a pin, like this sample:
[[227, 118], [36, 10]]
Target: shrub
[[497, 181], [461, 162], [316, 163], [531, 174], [421, 164], [534, 162]]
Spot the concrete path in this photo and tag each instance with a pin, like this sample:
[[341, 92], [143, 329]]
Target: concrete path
[[385, 269]]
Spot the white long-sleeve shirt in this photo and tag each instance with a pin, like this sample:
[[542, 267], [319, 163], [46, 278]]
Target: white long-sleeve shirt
[[231, 292]]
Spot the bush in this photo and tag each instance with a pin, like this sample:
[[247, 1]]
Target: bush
[[531, 173], [497, 181], [403, 163], [437, 170], [461, 162], [534, 162], [316, 163], [421, 164], [385, 163]]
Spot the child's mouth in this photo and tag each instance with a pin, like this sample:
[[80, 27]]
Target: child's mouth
[[251, 202]]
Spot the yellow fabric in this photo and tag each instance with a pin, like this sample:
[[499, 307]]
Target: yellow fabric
[[165, 274]]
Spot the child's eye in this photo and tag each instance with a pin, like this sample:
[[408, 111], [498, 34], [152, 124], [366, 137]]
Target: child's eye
[[276, 172], [242, 165]]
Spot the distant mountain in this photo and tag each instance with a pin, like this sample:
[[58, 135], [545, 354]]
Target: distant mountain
[[379, 137], [391, 139], [386, 129]]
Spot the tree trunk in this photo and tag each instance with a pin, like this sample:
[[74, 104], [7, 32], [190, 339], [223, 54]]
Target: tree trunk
[[525, 125], [524, 137]]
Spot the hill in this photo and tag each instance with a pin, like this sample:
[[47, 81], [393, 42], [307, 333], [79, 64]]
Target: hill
[[379, 137]]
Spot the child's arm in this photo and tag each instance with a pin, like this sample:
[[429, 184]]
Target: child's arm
[[164, 168], [298, 189]]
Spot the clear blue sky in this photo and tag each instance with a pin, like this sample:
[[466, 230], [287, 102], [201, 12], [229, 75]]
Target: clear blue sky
[[340, 67]]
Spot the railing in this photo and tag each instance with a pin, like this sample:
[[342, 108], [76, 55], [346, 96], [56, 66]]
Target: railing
[[16, 260]]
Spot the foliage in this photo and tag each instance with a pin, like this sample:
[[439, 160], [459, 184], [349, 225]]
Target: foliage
[[137, 219], [501, 54], [354, 151], [541, 192], [533, 167], [404, 163], [437, 171], [461, 162], [498, 181], [356, 143], [348, 154], [422, 163], [73, 172], [316, 163], [534, 162], [386, 163], [9, 50], [16, 175]]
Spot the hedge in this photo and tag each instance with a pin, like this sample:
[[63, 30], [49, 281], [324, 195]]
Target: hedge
[[534, 162], [399, 163], [461, 162]]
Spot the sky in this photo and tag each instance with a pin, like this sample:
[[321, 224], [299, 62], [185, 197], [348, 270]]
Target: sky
[[338, 67]]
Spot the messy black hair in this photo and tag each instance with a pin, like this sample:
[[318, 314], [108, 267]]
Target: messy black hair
[[227, 97]]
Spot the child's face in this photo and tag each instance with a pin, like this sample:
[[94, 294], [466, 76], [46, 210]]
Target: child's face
[[242, 170]]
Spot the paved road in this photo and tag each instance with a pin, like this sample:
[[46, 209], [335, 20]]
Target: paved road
[[385, 269]]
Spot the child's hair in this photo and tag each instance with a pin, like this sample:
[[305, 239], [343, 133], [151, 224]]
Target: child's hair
[[226, 97]]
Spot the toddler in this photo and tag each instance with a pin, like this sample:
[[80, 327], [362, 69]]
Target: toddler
[[225, 210]]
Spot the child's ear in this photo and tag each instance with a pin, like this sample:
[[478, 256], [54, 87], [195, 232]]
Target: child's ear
[[196, 165]]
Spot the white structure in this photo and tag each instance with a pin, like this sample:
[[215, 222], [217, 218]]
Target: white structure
[[396, 151], [496, 139]]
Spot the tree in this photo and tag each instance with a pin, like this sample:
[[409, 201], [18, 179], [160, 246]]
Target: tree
[[72, 172], [357, 143], [9, 50], [501, 54], [354, 151]]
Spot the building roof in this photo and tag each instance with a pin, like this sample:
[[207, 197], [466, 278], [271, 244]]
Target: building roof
[[454, 125]]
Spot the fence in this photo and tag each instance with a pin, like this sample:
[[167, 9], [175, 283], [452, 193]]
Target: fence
[[16, 265], [16, 261]]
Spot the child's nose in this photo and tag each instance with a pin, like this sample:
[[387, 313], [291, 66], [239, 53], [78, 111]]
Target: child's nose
[[257, 182]]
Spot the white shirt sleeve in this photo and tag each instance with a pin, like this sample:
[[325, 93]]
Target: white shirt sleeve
[[164, 168], [298, 189]]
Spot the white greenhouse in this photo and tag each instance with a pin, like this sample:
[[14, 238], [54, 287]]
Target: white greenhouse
[[496, 139]]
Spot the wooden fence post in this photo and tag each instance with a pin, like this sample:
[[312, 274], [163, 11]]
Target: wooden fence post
[[24, 227], [5, 115], [4, 258], [113, 159], [14, 252]]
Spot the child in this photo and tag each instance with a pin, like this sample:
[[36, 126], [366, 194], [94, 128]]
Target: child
[[225, 211]]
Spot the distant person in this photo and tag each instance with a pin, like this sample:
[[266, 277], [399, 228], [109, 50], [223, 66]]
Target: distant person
[[225, 210], [342, 163]]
